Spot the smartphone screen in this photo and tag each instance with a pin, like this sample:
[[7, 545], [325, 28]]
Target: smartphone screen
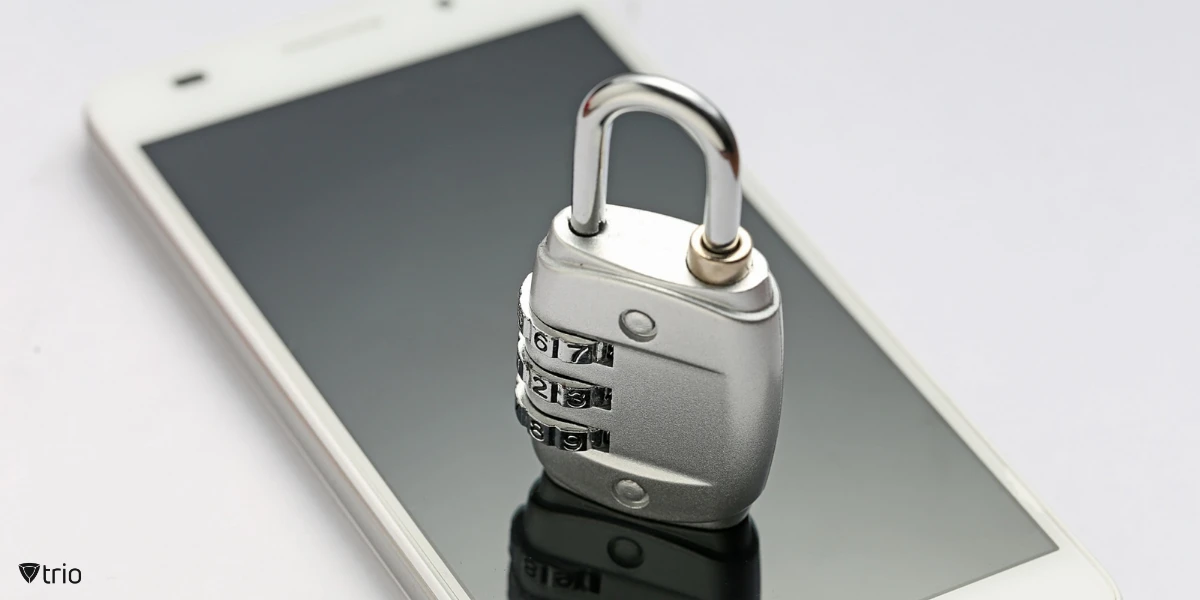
[[384, 227]]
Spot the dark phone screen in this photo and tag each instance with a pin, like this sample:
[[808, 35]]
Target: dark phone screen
[[384, 226]]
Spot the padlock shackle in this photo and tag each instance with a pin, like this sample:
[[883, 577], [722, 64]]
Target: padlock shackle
[[700, 118]]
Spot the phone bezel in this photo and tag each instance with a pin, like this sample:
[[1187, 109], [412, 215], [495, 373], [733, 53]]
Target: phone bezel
[[342, 45]]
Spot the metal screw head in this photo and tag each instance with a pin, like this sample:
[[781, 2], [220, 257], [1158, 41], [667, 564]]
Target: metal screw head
[[631, 494], [638, 326]]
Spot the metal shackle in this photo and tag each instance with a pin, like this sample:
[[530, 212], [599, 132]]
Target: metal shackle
[[720, 250]]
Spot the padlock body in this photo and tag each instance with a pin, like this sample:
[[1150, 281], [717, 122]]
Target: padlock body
[[681, 427]]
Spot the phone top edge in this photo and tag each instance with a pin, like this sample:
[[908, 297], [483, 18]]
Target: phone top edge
[[253, 72]]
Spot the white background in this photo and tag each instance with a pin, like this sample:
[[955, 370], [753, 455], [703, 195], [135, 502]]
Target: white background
[[1014, 187]]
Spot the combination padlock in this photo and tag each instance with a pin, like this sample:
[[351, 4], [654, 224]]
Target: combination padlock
[[650, 354]]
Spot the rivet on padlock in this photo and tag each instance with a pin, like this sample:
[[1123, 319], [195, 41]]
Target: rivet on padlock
[[650, 350]]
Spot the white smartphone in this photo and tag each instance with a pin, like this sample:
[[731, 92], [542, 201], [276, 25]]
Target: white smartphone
[[358, 196]]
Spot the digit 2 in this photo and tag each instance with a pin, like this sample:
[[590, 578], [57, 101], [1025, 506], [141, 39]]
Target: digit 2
[[541, 387]]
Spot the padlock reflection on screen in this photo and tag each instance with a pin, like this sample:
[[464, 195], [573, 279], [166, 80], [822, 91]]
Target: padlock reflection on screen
[[563, 546]]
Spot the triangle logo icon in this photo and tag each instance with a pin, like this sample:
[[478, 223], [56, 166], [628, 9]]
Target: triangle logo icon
[[29, 571]]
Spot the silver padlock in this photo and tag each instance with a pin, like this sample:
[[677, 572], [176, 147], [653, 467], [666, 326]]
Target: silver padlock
[[650, 354]]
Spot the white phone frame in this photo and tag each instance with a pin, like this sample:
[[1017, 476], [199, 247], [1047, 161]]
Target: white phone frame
[[345, 44]]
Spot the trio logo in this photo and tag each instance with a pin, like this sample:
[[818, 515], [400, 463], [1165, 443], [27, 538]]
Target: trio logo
[[29, 571]]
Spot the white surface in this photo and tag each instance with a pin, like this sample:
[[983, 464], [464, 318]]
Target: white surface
[[1014, 190]]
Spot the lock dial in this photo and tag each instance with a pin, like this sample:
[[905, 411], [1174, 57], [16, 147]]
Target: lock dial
[[537, 384], [547, 342], [560, 434], [547, 386]]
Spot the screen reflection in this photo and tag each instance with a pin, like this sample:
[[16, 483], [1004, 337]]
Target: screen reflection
[[563, 546]]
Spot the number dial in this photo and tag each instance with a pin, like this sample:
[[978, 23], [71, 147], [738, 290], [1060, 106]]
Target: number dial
[[535, 383], [543, 385], [550, 343], [557, 433]]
